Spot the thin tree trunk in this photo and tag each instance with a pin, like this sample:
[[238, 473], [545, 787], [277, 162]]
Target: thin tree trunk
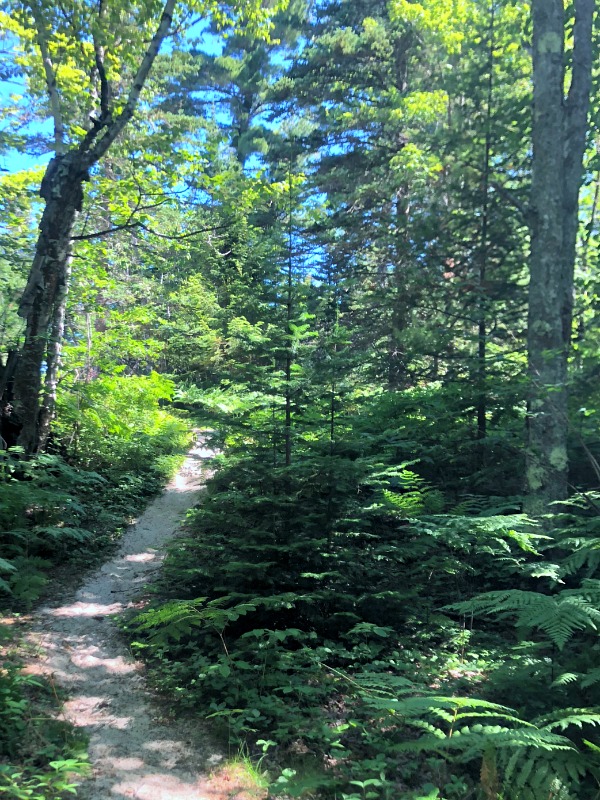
[[483, 256], [53, 360], [584, 250], [289, 310], [88, 348], [7, 372], [48, 278], [396, 368]]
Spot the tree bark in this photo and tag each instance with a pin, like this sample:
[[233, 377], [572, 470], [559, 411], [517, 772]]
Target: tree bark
[[53, 359], [62, 190], [559, 132]]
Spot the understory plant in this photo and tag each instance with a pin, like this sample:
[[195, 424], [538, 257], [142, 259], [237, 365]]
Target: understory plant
[[40, 755], [323, 612], [54, 506]]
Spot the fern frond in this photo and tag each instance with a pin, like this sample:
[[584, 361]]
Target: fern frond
[[505, 601], [586, 553], [383, 683], [568, 677], [566, 717], [170, 621], [530, 774], [65, 534], [417, 707], [559, 616], [590, 590], [479, 738], [590, 678]]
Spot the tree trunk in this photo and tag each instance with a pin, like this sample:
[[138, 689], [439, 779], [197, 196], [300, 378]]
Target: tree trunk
[[46, 291], [482, 303], [7, 371], [53, 359], [559, 131]]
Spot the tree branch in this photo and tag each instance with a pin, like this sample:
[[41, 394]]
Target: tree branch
[[138, 224], [511, 197], [50, 75], [99, 59], [179, 237], [92, 153]]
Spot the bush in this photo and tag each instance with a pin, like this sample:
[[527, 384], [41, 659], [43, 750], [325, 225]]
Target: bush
[[116, 424]]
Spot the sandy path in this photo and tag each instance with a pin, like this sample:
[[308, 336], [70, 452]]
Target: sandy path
[[133, 754]]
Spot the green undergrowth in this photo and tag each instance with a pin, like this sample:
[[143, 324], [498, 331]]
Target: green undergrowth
[[340, 618], [59, 514], [74, 502], [41, 757]]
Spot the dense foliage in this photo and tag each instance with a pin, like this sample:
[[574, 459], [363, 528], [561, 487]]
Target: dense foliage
[[316, 245]]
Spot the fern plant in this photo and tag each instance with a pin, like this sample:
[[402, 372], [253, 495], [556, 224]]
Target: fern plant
[[42, 508], [518, 760], [558, 616]]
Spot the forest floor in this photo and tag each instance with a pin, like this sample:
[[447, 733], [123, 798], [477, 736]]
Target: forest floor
[[136, 750]]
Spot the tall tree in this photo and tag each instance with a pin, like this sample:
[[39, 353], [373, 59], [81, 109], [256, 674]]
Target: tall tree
[[559, 139], [237, 82], [93, 64]]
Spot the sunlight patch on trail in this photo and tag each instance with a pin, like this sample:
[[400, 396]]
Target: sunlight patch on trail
[[86, 610], [116, 666], [141, 557]]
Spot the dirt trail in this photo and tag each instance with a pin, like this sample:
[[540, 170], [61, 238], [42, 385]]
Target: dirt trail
[[133, 753]]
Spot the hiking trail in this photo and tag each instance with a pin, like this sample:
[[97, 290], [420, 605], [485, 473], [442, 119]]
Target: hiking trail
[[134, 752]]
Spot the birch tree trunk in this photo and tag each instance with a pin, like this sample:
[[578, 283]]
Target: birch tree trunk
[[559, 133], [46, 290]]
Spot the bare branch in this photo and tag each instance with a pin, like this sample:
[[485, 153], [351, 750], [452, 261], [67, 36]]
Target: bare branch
[[179, 237], [138, 224]]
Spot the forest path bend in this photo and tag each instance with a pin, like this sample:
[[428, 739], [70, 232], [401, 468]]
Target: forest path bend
[[133, 753]]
